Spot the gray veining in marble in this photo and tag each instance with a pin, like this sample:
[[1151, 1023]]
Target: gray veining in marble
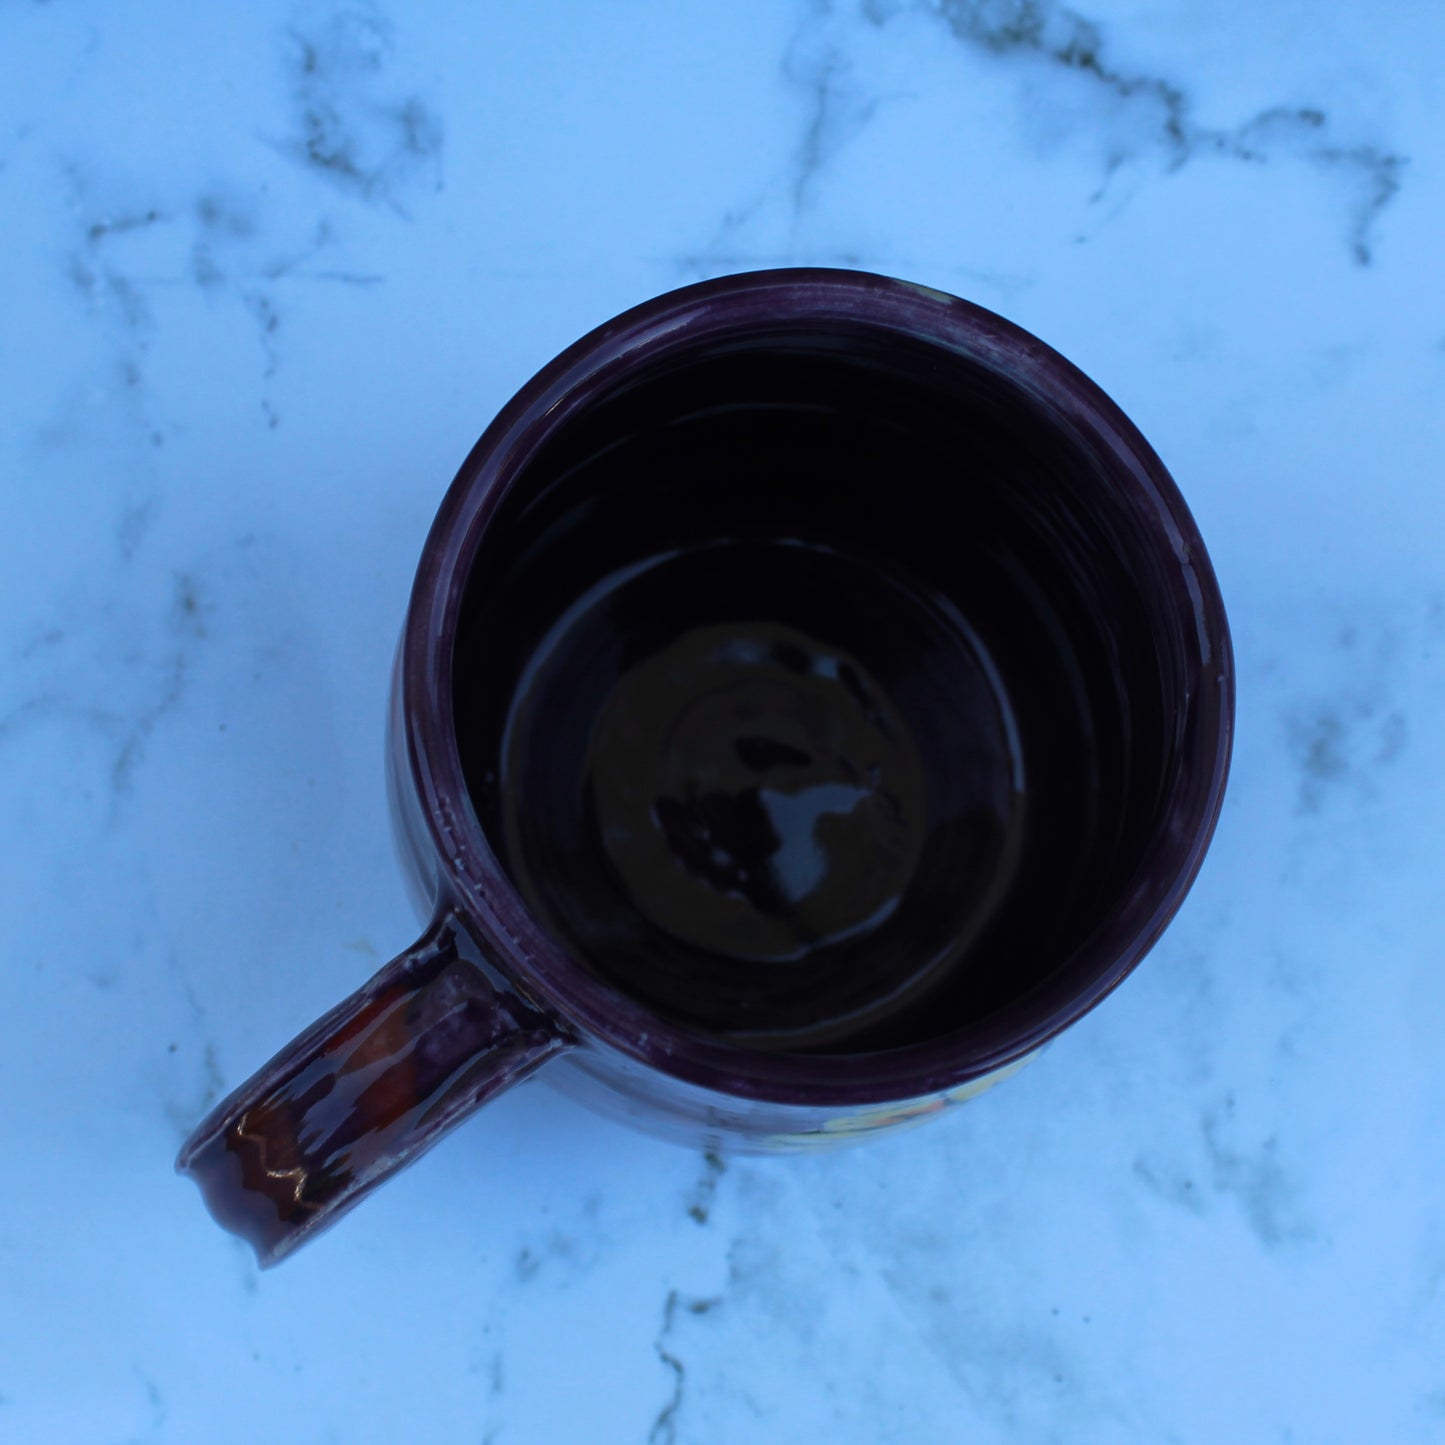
[[266, 274]]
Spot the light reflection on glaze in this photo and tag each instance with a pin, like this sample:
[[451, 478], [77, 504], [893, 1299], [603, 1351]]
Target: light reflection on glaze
[[372, 1085]]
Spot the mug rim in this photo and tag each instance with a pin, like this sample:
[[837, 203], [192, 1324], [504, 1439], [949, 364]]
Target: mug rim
[[475, 882]]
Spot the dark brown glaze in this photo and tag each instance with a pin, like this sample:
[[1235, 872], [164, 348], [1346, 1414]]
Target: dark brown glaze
[[810, 694], [1006, 431], [363, 1093], [987, 399], [762, 787]]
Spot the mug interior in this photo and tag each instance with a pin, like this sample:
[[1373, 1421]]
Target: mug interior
[[828, 687]]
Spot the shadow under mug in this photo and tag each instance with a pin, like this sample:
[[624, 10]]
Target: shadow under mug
[[814, 696]]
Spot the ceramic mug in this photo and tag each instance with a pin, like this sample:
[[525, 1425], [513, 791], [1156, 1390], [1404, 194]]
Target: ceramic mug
[[814, 696]]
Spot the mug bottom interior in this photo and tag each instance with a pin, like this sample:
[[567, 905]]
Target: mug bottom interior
[[811, 698]]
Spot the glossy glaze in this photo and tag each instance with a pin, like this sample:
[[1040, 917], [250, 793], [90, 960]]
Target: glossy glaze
[[812, 697], [1035, 529], [738, 824], [364, 1091]]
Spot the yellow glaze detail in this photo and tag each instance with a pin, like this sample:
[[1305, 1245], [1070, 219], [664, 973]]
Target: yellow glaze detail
[[930, 294], [890, 1116]]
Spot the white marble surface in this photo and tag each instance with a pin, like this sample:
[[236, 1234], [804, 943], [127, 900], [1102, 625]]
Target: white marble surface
[[265, 273]]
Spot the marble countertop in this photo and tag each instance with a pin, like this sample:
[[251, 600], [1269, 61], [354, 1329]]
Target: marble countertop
[[265, 274]]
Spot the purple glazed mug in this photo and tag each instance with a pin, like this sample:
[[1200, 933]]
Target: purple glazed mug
[[814, 696]]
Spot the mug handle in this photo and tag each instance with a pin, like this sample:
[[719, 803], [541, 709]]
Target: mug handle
[[364, 1091]]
